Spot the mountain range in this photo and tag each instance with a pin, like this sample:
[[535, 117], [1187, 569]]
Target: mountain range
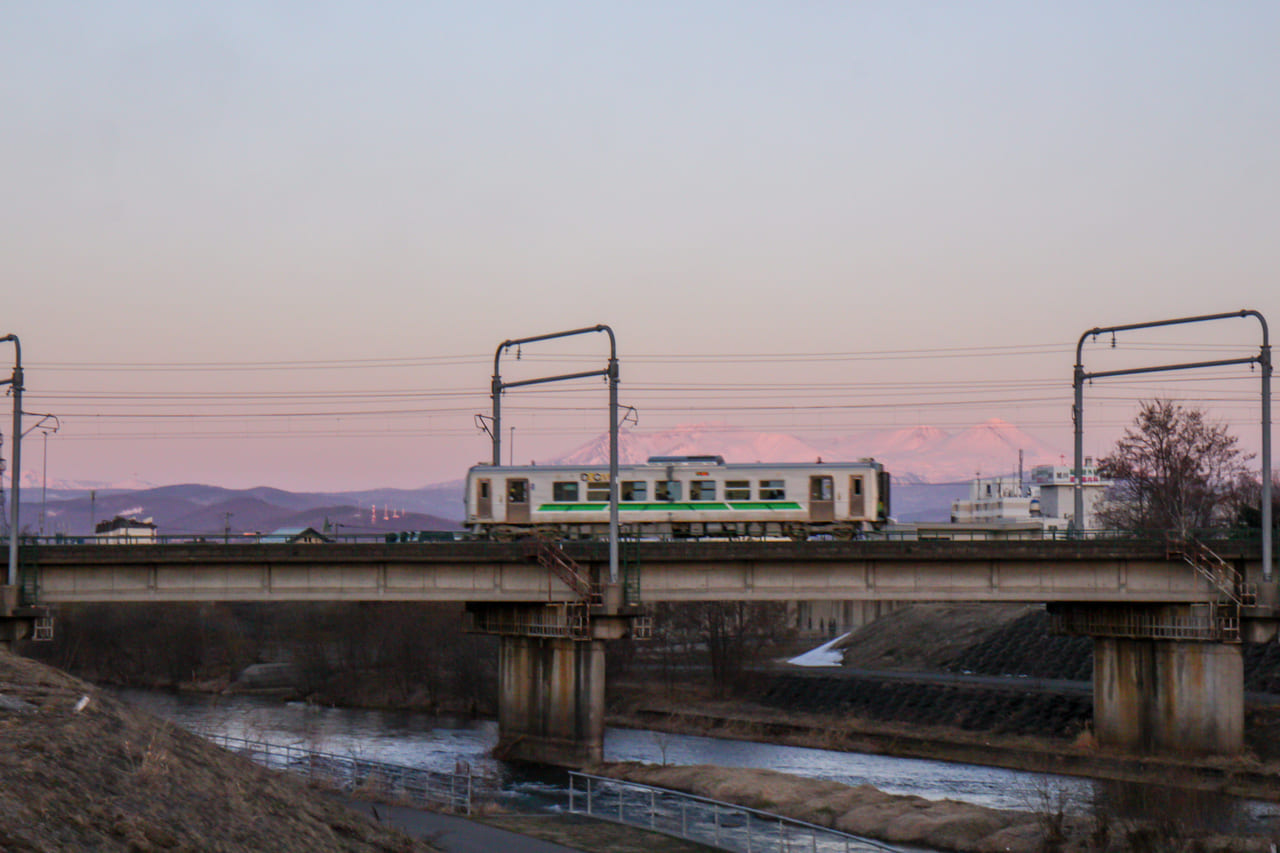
[[212, 510], [921, 454], [930, 467]]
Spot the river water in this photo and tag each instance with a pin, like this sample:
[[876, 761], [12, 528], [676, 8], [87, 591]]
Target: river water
[[436, 743]]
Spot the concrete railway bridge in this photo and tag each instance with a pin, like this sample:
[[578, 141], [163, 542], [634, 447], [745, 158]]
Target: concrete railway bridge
[[1167, 618]]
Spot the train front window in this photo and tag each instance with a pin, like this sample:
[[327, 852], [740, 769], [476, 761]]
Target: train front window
[[737, 490], [667, 490], [773, 490], [564, 492], [702, 490], [635, 490]]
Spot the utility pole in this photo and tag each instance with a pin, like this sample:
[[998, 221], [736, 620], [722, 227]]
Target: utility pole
[[15, 473], [1262, 359], [610, 373], [45, 428]]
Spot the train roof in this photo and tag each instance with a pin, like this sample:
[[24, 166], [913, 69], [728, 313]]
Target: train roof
[[657, 462]]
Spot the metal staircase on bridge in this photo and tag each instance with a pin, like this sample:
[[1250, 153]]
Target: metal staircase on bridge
[[1233, 593], [568, 619], [554, 559]]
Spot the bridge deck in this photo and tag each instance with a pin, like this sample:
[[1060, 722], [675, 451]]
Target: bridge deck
[[1082, 571]]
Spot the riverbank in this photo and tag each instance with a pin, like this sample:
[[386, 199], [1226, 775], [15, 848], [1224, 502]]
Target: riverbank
[[941, 824], [693, 713]]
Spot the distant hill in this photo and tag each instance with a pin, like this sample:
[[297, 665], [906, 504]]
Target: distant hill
[[930, 468], [202, 510], [209, 510]]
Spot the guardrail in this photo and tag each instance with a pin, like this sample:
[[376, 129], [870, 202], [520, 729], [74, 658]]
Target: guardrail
[[930, 533], [457, 792], [422, 536], [727, 826]]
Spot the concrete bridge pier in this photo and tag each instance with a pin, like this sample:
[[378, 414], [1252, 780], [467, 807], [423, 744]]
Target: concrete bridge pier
[[1168, 696], [551, 700], [1167, 679], [551, 676], [17, 620]]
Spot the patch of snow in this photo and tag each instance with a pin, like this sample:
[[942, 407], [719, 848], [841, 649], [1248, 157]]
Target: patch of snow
[[823, 655]]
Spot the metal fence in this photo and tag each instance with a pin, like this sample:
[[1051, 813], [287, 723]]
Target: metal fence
[[907, 533], [724, 825], [460, 791]]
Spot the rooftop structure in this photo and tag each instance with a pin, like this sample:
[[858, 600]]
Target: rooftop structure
[[125, 531], [1047, 499]]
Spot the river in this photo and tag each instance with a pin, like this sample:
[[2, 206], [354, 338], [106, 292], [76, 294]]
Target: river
[[436, 742]]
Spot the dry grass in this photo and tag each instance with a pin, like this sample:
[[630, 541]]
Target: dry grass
[[594, 836], [1045, 827], [109, 777]]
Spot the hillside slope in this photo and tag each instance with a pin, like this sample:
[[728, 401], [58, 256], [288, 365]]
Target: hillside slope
[[109, 777]]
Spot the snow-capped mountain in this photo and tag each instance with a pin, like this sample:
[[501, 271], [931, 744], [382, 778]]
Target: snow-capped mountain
[[735, 445], [920, 454], [34, 480]]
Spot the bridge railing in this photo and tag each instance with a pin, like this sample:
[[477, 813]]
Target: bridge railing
[[931, 533], [460, 792], [415, 536], [727, 826]]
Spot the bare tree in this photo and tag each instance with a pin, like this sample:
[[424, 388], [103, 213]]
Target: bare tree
[[730, 637], [1174, 470], [1249, 502]]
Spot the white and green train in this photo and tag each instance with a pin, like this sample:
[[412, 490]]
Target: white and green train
[[679, 497]]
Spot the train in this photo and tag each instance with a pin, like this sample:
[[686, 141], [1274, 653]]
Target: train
[[677, 497]]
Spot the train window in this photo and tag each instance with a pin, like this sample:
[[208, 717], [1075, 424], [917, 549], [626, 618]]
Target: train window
[[635, 490], [773, 490], [597, 491], [857, 485], [564, 492], [484, 489], [737, 490], [702, 490], [667, 490], [518, 491]]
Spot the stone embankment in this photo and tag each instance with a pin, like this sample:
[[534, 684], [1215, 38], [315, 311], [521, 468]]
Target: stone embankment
[[981, 684]]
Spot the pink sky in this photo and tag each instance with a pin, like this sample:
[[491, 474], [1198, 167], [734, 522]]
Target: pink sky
[[248, 248]]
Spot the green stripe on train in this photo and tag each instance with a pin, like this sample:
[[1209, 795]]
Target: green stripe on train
[[685, 506]]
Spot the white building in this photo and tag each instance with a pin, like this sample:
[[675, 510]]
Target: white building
[[993, 499], [1048, 499], [125, 531], [1055, 487]]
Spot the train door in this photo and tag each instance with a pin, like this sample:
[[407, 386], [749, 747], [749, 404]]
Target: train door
[[822, 499], [518, 500], [857, 498], [484, 499]]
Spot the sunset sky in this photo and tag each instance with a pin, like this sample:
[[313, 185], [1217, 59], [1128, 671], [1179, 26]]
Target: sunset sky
[[251, 243]]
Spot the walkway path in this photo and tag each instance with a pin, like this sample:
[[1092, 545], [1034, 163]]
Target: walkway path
[[453, 834]]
